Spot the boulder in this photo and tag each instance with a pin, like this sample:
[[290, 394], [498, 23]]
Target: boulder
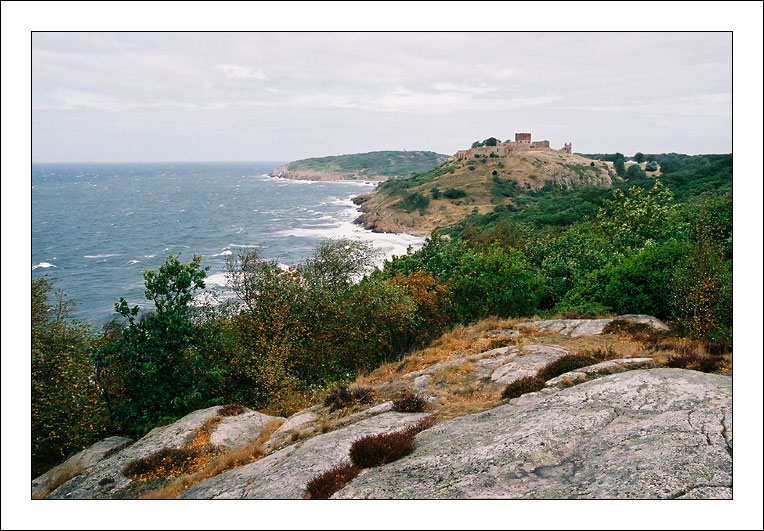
[[655, 433], [77, 464], [284, 474]]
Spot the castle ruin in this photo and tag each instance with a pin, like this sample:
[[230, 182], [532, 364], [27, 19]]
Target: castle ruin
[[522, 142]]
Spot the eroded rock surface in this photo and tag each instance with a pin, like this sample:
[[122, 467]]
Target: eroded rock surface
[[77, 464], [656, 433], [581, 327], [284, 474], [106, 476]]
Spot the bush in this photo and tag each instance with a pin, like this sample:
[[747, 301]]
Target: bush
[[409, 403], [455, 193], [568, 363], [529, 384], [230, 410], [414, 201], [343, 397], [377, 450], [324, 485], [435, 192]]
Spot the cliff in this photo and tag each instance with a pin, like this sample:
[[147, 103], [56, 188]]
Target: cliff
[[624, 427]]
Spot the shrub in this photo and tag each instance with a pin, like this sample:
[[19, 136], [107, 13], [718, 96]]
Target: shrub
[[568, 363], [435, 192], [164, 463], [529, 384], [344, 397], [717, 348], [377, 450], [409, 403], [231, 410], [455, 193], [324, 485]]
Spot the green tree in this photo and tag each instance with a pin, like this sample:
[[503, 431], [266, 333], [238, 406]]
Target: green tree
[[155, 354], [639, 157], [476, 144], [490, 142], [634, 172], [620, 166], [633, 218]]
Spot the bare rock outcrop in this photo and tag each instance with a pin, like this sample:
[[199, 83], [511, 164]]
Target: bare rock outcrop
[[581, 327], [77, 464], [656, 433], [284, 474]]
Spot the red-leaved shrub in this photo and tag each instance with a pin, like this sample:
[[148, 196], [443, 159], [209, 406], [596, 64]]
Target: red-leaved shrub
[[324, 485]]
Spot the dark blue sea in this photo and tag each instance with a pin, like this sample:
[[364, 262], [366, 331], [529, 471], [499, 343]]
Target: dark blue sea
[[96, 227]]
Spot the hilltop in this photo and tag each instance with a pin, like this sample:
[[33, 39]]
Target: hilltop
[[480, 184], [372, 166]]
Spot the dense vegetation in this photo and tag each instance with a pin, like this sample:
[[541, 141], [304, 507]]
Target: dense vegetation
[[658, 247], [375, 163]]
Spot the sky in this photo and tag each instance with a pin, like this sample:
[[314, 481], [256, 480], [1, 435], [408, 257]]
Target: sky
[[291, 95]]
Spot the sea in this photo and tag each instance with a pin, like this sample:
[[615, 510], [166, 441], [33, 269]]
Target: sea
[[96, 227]]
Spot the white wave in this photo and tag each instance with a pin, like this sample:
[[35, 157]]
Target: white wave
[[42, 265], [100, 255], [243, 245], [218, 279], [133, 262], [149, 256], [225, 252]]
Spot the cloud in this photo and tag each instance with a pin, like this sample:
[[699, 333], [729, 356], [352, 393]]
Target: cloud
[[460, 87], [242, 72], [711, 105]]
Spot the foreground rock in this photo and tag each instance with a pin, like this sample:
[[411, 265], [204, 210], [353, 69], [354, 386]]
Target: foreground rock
[[284, 474], [106, 476], [77, 464], [581, 327], [657, 433]]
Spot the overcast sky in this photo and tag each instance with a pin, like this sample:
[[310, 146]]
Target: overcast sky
[[286, 96]]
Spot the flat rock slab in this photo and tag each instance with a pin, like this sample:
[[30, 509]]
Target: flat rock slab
[[582, 327], [284, 474], [526, 361], [655, 433], [241, 430], [302, 422], [106, 476], [78, 463], [604, 368]]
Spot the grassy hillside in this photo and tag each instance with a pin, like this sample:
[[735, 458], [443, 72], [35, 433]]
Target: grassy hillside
[[457, 189], [375, 165]]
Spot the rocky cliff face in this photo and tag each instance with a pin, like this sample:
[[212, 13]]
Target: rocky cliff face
[[616, 429]]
